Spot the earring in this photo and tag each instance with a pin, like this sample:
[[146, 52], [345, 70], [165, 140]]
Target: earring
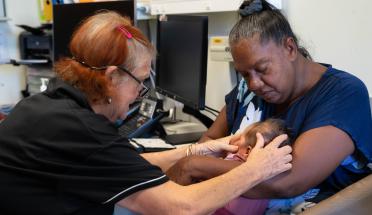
[[109, 100]]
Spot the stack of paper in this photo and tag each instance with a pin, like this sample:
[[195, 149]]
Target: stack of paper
[[151, 143]]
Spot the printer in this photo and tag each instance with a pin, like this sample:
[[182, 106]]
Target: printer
[[36, 43], [35, 46]]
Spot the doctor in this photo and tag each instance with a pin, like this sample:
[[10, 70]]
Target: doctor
[[61, 153]]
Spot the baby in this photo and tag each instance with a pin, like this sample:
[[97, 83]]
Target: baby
[[209, 168], [269, 129]]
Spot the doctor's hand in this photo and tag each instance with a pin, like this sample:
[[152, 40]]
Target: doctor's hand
[[216, 148], [270, 160]]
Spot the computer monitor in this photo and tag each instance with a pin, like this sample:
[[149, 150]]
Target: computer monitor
[[66, 17], [181, 66]]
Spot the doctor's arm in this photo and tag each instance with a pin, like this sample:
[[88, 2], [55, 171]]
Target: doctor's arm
[[207, 196], [166, 159]]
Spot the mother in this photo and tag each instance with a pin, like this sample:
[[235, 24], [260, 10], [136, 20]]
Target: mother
[[326, 108]]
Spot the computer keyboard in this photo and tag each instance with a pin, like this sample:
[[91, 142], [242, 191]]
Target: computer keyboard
[[130, 125], [139, 125]]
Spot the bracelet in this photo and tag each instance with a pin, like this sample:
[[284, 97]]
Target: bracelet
[[189, 150], [200, 151]]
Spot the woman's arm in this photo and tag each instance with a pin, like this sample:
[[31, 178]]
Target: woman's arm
[[207, 196], [218, 129], [316, 154]]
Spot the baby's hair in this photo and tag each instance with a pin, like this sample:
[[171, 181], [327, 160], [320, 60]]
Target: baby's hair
[[269, 129]]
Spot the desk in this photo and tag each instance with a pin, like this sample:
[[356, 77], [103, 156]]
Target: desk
[[178, 130], [183, 127]]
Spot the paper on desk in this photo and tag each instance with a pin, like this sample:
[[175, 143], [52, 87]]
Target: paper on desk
[[152, 143]]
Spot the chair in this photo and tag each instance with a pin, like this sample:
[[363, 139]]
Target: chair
[[355, 199]]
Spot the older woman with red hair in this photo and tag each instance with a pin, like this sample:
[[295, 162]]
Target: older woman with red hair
[[61, 153]]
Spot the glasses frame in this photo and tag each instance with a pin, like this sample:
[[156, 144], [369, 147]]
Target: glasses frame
[[144, 89]]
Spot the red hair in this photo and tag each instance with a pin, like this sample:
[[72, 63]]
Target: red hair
[[98, 43]]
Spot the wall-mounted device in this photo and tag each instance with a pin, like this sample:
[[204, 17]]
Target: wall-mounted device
[[220, 49]]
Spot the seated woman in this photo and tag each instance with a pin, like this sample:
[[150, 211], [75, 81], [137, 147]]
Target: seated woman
[[246, 141], [326, 108]]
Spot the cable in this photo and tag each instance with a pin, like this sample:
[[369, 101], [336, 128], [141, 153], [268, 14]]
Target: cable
[[152, 78], [211, 112], [211, 109], [149, 35]]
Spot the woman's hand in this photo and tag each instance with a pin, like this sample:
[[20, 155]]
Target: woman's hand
[[270, 160], [216, 148]]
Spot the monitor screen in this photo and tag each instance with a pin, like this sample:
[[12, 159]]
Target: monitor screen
[[182, 43], [66, 17]]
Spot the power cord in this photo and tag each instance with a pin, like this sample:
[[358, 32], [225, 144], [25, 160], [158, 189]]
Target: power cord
[[211, 109], [211, 112]]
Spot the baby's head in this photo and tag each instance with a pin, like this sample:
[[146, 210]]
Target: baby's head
[[269, 129]]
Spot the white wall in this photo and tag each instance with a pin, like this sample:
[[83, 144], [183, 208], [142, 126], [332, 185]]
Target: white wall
[[220, 77], [335, 32]]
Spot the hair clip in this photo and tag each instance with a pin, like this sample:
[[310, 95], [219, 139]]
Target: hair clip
[[248, 8], [125, 31], [86, 65]]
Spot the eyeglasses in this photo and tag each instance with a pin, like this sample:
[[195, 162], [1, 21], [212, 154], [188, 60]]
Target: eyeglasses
[[144, 90]]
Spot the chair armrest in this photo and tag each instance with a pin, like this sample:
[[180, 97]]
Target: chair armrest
[[354, 199]]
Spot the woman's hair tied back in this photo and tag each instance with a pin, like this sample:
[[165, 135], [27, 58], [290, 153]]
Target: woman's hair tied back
[[250, 7]]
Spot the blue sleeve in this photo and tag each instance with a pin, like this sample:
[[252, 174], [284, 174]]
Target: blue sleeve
[[344, 103]]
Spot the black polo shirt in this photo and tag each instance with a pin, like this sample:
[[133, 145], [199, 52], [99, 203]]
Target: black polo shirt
[[58, 157]]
